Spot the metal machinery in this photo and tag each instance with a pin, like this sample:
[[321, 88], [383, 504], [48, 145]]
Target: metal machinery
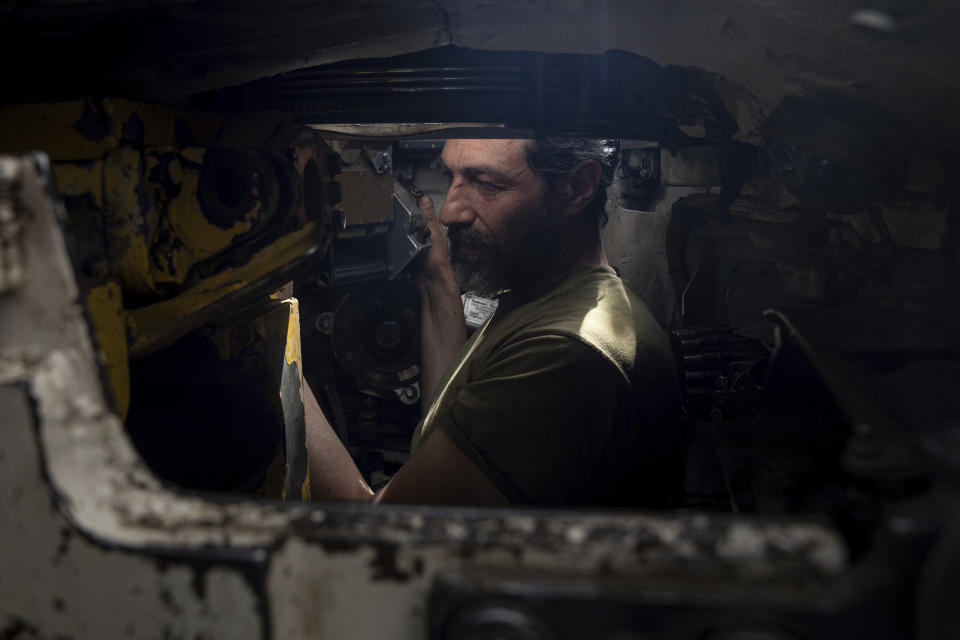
[[173, 266], [179, 219]]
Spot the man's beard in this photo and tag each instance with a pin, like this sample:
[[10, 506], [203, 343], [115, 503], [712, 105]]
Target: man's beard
[[487, 263]]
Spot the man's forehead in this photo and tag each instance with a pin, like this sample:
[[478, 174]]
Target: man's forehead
[[508, 155]]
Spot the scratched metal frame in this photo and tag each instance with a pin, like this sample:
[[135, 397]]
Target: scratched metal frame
[[93, 545]]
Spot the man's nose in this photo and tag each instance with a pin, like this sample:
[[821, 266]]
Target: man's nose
[[456, 209]]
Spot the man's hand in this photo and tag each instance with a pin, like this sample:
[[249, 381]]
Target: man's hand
[[442, 326], [435, 270]]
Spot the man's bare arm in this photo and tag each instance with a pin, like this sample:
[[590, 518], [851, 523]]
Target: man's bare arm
[[333, 475], [442, 327], [438, 473]]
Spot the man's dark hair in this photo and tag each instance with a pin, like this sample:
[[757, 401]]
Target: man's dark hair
[[553, 157]]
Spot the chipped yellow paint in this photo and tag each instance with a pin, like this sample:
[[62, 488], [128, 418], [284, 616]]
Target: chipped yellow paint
[[163, 322], [193, 154], [173, 259], [273, 320], [130, 219], [287, 325], [292, 354], [51, 128], [305, 486], [80, 179], [284, 292], [203, 238], [159, 122], [105, 308], [175, 171], [283, 320]]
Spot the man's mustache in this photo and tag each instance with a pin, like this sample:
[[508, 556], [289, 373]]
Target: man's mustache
[[465, 238]]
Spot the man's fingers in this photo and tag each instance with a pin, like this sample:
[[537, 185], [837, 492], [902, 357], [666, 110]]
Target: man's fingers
[[426, 206]]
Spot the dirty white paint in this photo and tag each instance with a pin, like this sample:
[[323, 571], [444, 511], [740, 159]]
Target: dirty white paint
[[58, 582], [331, 595]]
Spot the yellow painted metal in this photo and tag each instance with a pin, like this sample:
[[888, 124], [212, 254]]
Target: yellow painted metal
[[80, 179], [305, 486], [284, 323], [284, 292], [265, 337], [131, 218], [203, 238], [292, 353], [138, 168], [155, 325], [107, 317], [153, 239], [88, 129], [165, 126], [116, 186], [53, 128], [171, 260]]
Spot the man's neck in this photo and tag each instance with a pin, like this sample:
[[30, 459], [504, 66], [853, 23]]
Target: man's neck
[[595, 256], [582, 247], [580, 244]]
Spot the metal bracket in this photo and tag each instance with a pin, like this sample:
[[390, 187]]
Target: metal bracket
[[381, 159], [408, 234], [409, 395]]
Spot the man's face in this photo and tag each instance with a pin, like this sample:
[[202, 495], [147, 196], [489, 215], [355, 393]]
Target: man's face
[[499, 225]]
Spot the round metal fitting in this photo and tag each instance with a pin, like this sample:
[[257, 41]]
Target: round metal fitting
[[498, 621]]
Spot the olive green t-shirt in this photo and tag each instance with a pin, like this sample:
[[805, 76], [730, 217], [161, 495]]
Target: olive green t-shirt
[[567, 397]]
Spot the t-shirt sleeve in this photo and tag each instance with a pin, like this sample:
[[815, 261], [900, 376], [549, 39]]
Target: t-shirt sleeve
[[537, 418]]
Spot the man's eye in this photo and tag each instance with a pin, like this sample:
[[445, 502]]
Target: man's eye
[[489, 187]]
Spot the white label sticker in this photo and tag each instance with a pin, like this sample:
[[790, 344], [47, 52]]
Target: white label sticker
[[476, 310]]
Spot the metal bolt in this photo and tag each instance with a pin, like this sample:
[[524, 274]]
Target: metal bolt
[[324, 323]]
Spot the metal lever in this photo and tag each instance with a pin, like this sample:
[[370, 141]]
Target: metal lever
[[408, 235]]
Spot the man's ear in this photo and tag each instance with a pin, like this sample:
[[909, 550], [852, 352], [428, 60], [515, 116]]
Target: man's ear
[[580, 185]]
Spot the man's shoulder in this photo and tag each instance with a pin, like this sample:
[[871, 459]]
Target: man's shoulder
[[594, 307]]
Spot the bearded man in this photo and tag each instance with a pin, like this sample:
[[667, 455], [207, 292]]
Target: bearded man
[[567, 395]]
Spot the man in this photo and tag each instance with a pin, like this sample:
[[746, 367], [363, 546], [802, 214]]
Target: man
[[567, 396]]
